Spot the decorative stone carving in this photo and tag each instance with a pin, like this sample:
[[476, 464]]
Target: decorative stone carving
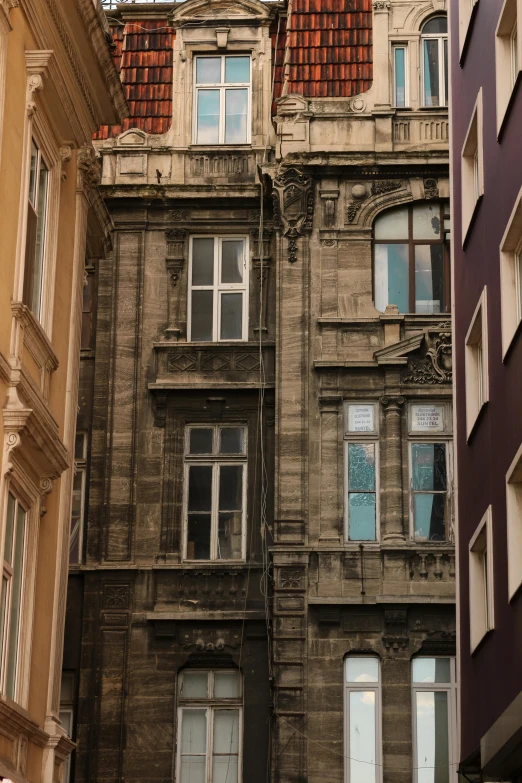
[[381, 5], [353, 209], [88, 169], [385, 186], [431, 189], [329, 199], [209, 641], [328, 242], [395, 644], [65, 156], [290, 578], [177, 215], [293, 206], [175, 262], [46, 487], [37, 65], [116, 597], [436, 366], [357, 104], [182, 362]]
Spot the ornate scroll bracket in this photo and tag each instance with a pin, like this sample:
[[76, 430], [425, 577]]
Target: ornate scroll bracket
[[46, 487], [293, 206], [436, 366], [88, 169], [37, 65], [175, 262], [66, 151]]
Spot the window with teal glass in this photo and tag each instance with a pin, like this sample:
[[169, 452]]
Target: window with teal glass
[[400, 97], [361, 471], [411, 258]]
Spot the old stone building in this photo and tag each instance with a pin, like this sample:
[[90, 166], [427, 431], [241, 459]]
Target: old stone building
[[264, 582]]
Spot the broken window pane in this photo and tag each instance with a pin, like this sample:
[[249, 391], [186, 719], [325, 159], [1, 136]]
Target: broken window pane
[[429, 466], [361, 466]]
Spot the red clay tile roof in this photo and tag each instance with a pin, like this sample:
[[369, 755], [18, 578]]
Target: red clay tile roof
[[330, 45], [330, 56], [144, 52]]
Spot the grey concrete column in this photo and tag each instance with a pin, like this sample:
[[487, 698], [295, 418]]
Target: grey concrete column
[[393, 527]]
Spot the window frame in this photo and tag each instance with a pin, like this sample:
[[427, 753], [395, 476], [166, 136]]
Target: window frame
[[67, 708], [210, 704], [29, 290], [349, 687], [8, 578], [467, 10], [472, 168], [216, 460], [405, 47], [510, 17], [219, 288], [481, 581], [419, 437], [476, 364], [510, 250], [412, 243], [80, 467], [514, 524], [430, 687], [365, 437], [443, 55], [222, 87]]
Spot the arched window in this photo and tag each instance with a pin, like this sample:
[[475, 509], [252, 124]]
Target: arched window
[[210, 725], [362, 699], [434, 59], [411, 259]]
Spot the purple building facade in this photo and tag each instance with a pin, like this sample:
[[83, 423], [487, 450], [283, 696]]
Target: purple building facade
[[486, 104]]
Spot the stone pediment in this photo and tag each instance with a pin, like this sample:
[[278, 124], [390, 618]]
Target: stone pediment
[[291, 104], [398, 352], [221, 9]]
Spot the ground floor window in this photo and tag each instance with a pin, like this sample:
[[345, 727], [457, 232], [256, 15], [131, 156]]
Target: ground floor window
[[210, 726]]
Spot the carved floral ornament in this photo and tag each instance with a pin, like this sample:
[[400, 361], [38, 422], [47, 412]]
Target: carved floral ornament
[[293, 206]]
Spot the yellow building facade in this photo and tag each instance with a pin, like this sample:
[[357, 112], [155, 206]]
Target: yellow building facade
[[57, 85]]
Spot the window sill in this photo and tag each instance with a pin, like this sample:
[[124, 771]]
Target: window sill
[[511, 342], [221, 147], [478, 645], [475, 424], [468, 227]]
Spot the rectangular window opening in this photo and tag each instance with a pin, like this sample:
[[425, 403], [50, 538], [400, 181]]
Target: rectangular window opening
[[222, 99]]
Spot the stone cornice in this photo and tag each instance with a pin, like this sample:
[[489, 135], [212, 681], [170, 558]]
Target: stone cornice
[[35, 339], [20, 721]]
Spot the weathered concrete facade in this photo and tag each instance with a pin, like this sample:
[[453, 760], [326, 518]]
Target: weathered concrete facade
[[304, 591]]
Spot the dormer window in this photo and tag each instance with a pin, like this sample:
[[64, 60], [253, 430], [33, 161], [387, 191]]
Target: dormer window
[[222, 99]]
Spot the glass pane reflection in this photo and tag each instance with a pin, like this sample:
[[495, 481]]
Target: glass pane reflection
[[432, 736], [431, 670], [391, 277], [362, 737], [208, 117], [360, 669]]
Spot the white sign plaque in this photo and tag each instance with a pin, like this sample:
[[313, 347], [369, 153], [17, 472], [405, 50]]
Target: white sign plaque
[[427, 418], [361, 418]]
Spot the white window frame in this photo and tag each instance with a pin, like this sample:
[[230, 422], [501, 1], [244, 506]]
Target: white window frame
[[507, 74], [511, 277], [216, 460], [442, 435], [8, 573], [481, 585], [350, 687], [210, 704], [361, 437], [476, 364], [405, 48], [220, 288], [29, 498], [36, 206], [37, 128], [472, 167], [514, 524], [80, 468], [440, 37], [451, 689], [222, 86]]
